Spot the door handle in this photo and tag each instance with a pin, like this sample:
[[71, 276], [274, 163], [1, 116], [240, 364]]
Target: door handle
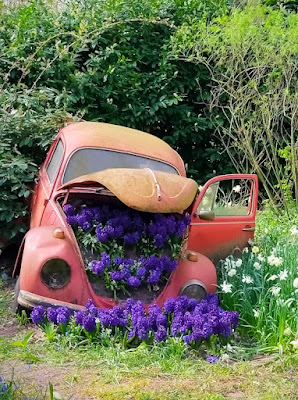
[[249, 228]]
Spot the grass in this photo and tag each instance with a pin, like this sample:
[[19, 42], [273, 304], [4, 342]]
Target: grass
[[164, 371]]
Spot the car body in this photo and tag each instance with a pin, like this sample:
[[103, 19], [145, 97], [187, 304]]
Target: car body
[[144, 173]]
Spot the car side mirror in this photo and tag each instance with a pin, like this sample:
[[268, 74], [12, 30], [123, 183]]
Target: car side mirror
[[206, 215]]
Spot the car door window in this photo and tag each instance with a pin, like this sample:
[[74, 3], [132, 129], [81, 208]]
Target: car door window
[[55, 161], [228, 198]]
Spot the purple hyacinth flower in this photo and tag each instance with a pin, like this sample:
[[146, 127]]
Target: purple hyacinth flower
[[170, 223], [118, 260], [105, 259], [98, 267], [86, 226], [169, 305], [128, 262], [52, 314], [116, 275], [131, 238], [133, 281], [118, 232], [212, 299], [160, 334], [192, 303], [153, 278], [180, 229], [89, 323], [129, 304], [71, 219], [186, 339], [101, 235], [141, 272], [212, 359], [152, 229], [161, 320], [37, 314], [63, 315], [79, 315], [91, 307], [69, 210]]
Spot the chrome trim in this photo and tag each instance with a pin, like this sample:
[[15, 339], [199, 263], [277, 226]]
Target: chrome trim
[[192, 282]]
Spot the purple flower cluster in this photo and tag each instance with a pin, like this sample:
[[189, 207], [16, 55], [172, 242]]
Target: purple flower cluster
[[112, 222], [3, 386], [60, 315], [134, 272], [192, 320], [128, 228]]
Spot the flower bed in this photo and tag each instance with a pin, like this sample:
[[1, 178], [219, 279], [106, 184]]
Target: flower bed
[[127, 249], [263, 287], [189, 319]]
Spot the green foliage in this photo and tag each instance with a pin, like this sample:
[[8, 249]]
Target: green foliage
[[265, 284], [103, 60], [252, 54]]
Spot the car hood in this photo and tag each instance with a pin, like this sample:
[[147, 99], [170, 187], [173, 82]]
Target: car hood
[[143, 189]]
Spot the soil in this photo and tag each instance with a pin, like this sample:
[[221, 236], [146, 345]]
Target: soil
[[142, 293]]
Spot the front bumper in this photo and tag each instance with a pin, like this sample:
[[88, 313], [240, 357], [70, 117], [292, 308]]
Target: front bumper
[[29, 301]]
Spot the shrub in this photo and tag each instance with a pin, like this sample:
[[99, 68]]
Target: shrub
[[252, 56], [101, 60]]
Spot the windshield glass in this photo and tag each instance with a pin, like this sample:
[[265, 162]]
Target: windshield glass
[[86, 161]]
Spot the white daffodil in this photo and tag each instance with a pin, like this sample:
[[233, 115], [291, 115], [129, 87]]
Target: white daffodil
[[245, 250], [260, 257], [232, 272], [275, 290], [257, 266], [255, 249], [226, 287], [238, 263], [294, 343], [272, 278], [274, 261], [250, 242], [256, 313], [247, 279], [294, 231], [237, 189], [295, 283], [283, 275]]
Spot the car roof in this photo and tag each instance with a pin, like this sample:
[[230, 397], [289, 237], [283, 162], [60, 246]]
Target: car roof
[[116, 137]]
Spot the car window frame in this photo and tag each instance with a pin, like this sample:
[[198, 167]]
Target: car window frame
[[50, 160], [115, 151]]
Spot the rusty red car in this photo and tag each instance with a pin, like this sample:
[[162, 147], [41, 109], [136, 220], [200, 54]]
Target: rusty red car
[[119, 165]]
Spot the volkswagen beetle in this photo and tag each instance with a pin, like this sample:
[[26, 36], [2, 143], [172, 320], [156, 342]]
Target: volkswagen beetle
[[109, 163]]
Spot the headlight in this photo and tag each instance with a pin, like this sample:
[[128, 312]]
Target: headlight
[[55, 273], [194, 289]]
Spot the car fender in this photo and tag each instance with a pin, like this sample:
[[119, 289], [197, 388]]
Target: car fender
[[202, 270], [39, 246], [18, 262]]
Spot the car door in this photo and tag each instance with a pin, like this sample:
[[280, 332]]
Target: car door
[[223, 215]]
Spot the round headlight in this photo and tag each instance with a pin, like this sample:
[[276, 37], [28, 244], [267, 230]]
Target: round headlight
[[194, 289], [55, 273]]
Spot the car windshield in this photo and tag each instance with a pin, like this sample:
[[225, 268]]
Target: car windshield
[[88, 160]]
